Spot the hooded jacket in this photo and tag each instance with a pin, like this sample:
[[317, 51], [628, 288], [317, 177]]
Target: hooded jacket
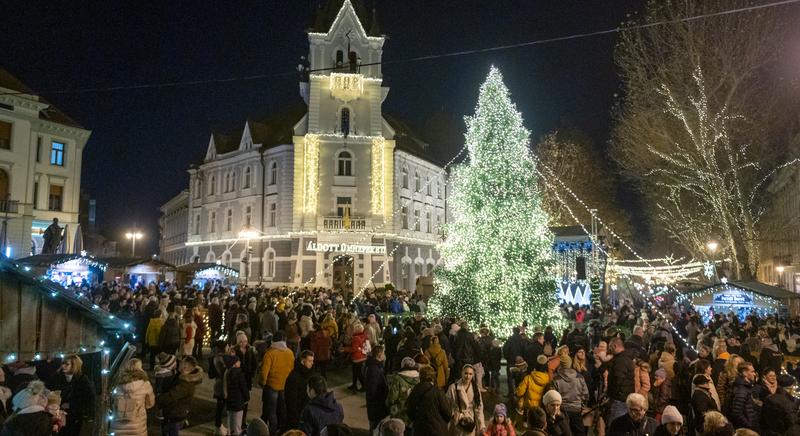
[[439, 361], [295, 393], [532, 388], [319, 413], [428, 409], [237, 392], [573, 389], [620, 376], [400, 386], [130, 401], [276, 365], [177, 401]]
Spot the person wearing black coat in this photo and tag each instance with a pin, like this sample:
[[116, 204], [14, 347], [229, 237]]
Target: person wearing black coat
[[466, 349], [169, 339], [770, 357], [743, 410], [376, 387], [636, 344], [427, 407], [779, 412], [237, 394], [514, 346], [620, 378], [534, 349], [77, 395], [215, 319], [702, 401], [322, 410], [295, 393]]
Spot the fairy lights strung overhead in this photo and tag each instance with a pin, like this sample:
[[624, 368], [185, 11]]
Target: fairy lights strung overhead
[[498, 246]]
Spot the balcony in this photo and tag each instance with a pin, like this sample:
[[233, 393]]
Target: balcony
[[337, 223], [9, 206]]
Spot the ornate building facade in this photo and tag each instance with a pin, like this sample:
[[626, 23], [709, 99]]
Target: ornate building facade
[[333, 193]]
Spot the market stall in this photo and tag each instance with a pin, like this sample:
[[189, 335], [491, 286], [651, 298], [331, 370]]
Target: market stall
[[202, 274], [741, 298], [66, 269], [138, 271]]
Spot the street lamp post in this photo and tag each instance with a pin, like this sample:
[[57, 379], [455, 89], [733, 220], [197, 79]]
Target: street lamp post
[[133, 236], [712, 247], [247, 233]]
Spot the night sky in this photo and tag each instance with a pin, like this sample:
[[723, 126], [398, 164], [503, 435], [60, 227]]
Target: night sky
[[143, 140]]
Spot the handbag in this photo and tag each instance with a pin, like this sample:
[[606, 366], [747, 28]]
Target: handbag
[[464, 423]]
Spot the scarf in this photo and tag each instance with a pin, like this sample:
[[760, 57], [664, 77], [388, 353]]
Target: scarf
[[771, 387]]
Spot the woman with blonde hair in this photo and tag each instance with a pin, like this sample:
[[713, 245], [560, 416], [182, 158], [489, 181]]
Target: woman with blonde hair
[[77, 394], [727, 377], [131, 398]]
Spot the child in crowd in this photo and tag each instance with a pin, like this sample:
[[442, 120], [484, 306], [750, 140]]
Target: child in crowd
[[500, 425]]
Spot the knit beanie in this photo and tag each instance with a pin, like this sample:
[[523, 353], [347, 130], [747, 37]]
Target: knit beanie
[[166, 361], [500, 410], [661, 373], [541, 363], [408, 363], [550, 397], [671, 414], [230, 360]]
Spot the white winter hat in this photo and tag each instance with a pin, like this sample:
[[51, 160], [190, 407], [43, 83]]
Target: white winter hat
[[550, 397], [671, 414]]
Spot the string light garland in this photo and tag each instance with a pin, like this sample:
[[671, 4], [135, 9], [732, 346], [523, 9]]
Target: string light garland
[[498, 246]]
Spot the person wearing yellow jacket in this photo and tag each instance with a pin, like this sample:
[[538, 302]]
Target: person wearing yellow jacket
[[152, 333], [532, 387], [438, 358], [276, 365]]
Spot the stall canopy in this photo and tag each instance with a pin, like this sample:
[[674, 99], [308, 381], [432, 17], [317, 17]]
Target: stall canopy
[[742, 298], [137, 270], [41, 319], [65, 269], [202, 273]]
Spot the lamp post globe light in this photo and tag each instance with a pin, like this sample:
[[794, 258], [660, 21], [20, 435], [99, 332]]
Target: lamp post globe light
[[247, 233], [133, 236], [712, 246]]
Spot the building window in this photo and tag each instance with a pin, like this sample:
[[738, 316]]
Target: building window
[[212, 222], [439, 190], [56, 195], [57, 154], [343, 205], [404, 180], [339, 58], [273, 173], [438, 223], [229, 220], [428, 184], [417, 182], [38, 149], [248, 215], [226, 259], [273, 215], [197, 224], [345, 164], [416, 219], [345, 121], [404, 217], [35, 195], [427, 222], [212, 185], [270, 263], [198, 187], [5, 135], [246, 182]]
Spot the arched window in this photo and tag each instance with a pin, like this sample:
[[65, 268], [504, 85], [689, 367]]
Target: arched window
[[248, 215], [229, 220], [226, 259], [428, 184], [339, 58], [404, 181], [227, 182], [211, 257], [344, 165], [273, 173], [417, 182], [212, 185], [246, 182], [269, 263], [345, 121]]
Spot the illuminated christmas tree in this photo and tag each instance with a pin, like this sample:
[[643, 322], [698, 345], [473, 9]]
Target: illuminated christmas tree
[[497, 247]]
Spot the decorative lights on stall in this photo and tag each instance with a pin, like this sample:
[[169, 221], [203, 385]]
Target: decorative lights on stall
[[311, 173], [377, 182]]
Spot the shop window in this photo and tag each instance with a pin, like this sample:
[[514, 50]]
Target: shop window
[[55, 198]]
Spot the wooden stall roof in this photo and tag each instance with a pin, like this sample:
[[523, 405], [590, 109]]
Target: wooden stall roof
[[9, 270], [192, 268], [752, 286], [126, 262], [45, 260]]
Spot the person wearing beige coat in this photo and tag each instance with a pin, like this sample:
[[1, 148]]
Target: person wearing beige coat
[[131, 398]]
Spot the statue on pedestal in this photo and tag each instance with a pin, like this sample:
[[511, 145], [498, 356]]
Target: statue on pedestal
[[52, 238]]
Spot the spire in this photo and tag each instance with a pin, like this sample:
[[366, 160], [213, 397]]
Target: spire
[[374, 28]]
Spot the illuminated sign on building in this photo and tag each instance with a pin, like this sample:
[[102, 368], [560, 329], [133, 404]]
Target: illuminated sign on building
[[733, 299], [346, 248]]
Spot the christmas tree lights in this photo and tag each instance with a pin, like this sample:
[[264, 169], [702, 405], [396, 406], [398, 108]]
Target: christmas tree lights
[[497, 249]]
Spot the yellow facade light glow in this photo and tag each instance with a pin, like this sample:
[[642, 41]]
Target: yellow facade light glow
[[377, 182], [310, 173]]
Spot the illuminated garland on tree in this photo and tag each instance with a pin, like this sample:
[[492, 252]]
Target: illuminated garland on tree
[[498, 246]]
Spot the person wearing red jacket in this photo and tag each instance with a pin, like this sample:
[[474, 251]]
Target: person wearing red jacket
[[358, 349]]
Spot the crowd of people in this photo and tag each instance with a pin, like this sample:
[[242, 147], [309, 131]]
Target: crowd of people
[[627, 371]]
